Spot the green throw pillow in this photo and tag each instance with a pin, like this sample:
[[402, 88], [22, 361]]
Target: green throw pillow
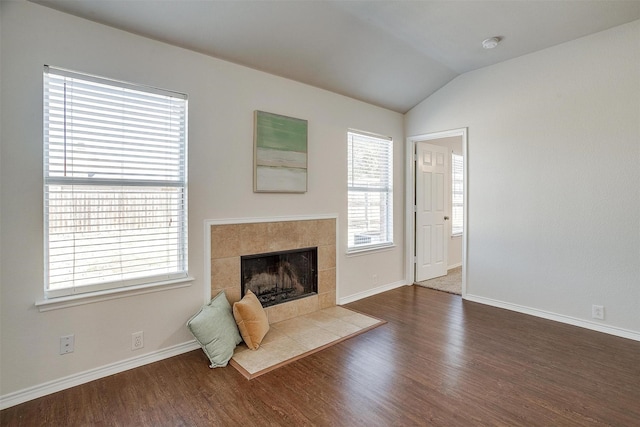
[[216, 331]]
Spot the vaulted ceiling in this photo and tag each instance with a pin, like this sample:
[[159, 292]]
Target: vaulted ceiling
[[389, 53]]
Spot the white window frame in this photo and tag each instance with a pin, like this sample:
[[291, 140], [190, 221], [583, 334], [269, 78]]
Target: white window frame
[[457, 194], [166, 178], [376, 233]]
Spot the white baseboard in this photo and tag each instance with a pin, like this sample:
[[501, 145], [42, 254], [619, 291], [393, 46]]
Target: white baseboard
[[371, 292], [612, 330], [452, 266], [60, 384]]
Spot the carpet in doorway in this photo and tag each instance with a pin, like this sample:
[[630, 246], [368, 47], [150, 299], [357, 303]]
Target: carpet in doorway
[[451, 283]]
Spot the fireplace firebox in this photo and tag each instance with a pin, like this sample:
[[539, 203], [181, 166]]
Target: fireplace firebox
[[278, 277]]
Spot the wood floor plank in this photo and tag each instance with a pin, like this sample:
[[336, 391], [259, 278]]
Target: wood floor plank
[[439, 361]]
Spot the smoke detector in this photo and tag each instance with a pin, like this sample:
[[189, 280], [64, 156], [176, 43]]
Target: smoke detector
[[491, 42]]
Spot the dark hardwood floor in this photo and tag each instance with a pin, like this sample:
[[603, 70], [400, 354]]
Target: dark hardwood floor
[[439, 361]]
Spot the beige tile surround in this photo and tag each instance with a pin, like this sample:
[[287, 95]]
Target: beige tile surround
[[231, 241]]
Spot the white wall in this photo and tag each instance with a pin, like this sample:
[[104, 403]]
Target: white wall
[[222, 98], [554, 178]]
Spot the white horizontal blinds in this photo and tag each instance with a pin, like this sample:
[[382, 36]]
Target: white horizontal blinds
[[370, 190], [115, 195], [457, 195]]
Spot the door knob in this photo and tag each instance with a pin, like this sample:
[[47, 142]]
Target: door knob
[[446, 218]]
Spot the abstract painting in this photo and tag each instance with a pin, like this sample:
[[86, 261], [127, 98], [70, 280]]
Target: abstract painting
[[280, 154]]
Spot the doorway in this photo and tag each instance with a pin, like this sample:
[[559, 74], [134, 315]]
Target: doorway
[[434, 251]]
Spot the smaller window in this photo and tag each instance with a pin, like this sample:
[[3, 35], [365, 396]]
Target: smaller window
[[370, 191], [457, 195]]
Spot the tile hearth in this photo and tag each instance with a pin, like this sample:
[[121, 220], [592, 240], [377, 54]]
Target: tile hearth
[[292, 339]]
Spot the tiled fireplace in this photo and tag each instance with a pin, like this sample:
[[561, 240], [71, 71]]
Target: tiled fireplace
[[231, 241]]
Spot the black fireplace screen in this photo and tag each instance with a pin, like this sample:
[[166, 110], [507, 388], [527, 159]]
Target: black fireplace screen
[[278, 277]]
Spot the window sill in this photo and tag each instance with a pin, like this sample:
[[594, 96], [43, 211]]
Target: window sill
[[91, 297], [366, 251]]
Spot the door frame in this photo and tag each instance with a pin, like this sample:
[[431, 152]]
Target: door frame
[[410, 189]]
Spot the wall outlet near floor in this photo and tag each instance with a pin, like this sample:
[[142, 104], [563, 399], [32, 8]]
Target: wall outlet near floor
[[374, 279], [137, 340], [67, 344], [597, 312]]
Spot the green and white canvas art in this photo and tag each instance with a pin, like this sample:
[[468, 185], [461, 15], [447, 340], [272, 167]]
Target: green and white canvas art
[[280, 154]]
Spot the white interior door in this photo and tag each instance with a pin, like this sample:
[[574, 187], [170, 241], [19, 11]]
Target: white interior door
[[432, 167]]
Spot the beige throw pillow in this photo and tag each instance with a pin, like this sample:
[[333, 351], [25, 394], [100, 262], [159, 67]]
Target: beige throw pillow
[[251, 319]]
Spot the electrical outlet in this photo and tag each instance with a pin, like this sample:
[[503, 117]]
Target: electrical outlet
[[137, 340], [67, 344], [374, 279], [597, 312]]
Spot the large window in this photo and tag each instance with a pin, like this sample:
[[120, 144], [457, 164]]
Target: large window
[[370, 188], [114, 184], [457, 195]]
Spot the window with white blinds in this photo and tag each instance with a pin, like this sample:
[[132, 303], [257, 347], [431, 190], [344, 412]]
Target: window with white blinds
[[370, 191], [115, 206], [457, 195]]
